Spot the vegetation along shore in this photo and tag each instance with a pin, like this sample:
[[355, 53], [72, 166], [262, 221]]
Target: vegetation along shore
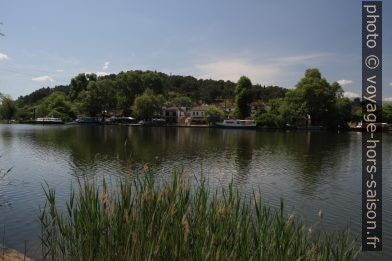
[[185, 100]]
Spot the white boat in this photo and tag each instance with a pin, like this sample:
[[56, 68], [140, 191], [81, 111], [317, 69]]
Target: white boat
[[237, 124], [379, 127], [87, 120], [47, 120]]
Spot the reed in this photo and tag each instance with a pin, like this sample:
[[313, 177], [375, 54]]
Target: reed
[[177, 220]]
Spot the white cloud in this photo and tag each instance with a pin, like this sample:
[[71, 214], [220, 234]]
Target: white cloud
[[44, 78], [351, 95], [233, 69], [59, 70], [388, 99], [390, 83], [3, 56], [105, 66], [262, 70], [344, 82]]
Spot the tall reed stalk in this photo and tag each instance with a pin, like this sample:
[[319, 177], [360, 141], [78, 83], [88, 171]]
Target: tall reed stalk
[[141, 220]]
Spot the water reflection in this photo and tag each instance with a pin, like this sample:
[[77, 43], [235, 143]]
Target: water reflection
[[116, 148]]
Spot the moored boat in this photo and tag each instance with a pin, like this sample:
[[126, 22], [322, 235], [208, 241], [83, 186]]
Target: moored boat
[[87, 120], [237, 124], [121, 120], [47, 120], [379, 127]]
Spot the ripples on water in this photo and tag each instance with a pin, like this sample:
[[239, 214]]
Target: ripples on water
[[309, 170]]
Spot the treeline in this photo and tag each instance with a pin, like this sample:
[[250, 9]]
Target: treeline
[[312, 102], [143, 94], [90, 95]]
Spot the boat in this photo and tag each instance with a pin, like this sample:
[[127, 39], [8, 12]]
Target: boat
[[237, 124], [87, 120], [156, 122], [47, 120], [379, 127], [120, 120]]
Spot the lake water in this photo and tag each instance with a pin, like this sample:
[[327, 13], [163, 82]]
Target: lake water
[[311, 171]]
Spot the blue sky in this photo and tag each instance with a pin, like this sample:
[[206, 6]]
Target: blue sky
[[48, 42]]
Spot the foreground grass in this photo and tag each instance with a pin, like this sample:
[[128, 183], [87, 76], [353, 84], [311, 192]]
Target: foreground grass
[[176, 221]]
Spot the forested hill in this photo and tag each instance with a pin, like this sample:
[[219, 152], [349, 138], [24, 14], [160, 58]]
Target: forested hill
[[207, 91], [89, 94]]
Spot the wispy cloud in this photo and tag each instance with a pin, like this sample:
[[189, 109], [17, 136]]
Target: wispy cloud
[[105, 66], [390, 83], [351, 95], [44, 78], [3, 56], [59, 70], [232, 69], [344, 82], [261, 70], [301, 58]]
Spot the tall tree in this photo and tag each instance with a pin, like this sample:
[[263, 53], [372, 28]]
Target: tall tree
[[243, 97], [8, 107], [316, 96], [148, 105], [98, 97], [79, 84], [129, 85]]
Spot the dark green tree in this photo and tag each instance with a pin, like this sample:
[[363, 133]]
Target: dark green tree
[[344, 112], [387, 113], [129, 85], [8, 107], [99, 96], [148, 105], [56, 105], [316, 97], [176, 99], [79, 84], [243, 97], [152, 81], [271, 115]]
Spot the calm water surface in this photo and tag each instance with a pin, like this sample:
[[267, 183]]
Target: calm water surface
[[311, 171]]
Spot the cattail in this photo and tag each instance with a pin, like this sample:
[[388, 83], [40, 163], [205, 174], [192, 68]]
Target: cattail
[[290, 219], [145, 168], [185, 226], [104, 197], [126, 217], [313, 251]]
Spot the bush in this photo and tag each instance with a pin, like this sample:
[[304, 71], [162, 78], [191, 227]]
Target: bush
[[213, 114]]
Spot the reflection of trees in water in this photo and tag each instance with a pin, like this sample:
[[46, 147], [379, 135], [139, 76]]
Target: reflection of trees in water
[[315, 150], [91, 148], [240, 143], [7, 136], [311, 152]]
